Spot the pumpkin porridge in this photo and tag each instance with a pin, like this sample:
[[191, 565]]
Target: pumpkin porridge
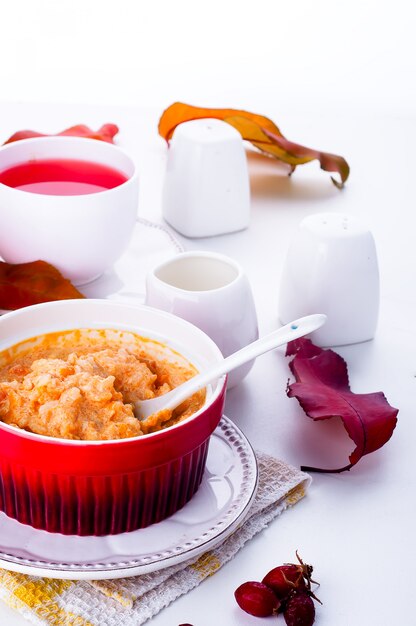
[[81, 384]]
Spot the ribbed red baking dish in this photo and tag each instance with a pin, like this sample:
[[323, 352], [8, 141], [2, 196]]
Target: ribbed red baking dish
[[106, 487]]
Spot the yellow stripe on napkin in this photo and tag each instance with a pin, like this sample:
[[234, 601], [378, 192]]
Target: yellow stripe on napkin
[[40, 595]]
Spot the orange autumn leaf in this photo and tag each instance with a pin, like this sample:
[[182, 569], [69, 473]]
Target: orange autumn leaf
[[180, 112], [261, 132], [107, 132], [24, 284]]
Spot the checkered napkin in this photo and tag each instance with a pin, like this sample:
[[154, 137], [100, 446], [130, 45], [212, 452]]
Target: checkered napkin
[[134, 601]]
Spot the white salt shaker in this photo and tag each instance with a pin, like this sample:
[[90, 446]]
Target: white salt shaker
[[331, 267], [206, 189]]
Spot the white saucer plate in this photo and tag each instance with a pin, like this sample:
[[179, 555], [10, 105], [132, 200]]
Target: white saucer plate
[[222, 502]]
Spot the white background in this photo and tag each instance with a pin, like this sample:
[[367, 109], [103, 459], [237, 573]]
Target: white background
[[338, 76], [279, 54]]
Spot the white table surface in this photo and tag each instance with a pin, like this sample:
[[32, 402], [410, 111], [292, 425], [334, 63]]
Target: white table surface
[[356, 528]]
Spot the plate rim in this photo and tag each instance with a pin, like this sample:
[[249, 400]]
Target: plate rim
[[113, 571]]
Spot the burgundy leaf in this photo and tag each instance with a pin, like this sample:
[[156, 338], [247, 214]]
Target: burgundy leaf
[[323, 391]]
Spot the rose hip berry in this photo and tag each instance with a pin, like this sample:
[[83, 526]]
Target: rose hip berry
[[290, 578], [286, 589], [257, 599], [285, 579], [299, 610]]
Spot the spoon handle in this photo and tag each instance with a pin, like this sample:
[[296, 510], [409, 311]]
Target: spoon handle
[[293, 330]]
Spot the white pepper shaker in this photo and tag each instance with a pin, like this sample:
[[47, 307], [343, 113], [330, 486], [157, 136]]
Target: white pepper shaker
[[206, 189], [331, 267]]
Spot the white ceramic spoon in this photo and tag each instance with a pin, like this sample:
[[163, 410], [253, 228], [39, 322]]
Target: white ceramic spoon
[[172, 399]]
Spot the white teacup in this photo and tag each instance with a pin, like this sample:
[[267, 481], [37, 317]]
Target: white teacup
[[211, 291], [82, 235]]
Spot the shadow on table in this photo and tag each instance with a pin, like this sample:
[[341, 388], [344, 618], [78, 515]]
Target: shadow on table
[[270, 179], [104, 286]]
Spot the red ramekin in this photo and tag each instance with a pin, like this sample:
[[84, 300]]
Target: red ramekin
[[106, 487]]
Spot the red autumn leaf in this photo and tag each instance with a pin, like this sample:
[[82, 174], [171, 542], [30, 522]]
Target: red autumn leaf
[[24, 284], [261, 132], [323, 391], [107, 132]]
